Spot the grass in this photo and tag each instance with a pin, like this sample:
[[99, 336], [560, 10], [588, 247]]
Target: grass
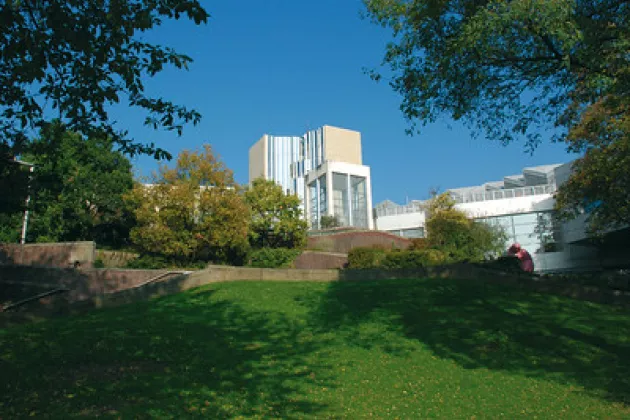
[[404, 348]]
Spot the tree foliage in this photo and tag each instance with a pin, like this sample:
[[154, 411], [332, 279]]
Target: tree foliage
[[76, 189], [276, 220], [600, 183], [459, 238], [73, 59], [511, 69], [191, 212]]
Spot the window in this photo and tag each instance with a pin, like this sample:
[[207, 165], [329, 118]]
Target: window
[[340, 198], [314, 201], [358, 202], [323, 200]]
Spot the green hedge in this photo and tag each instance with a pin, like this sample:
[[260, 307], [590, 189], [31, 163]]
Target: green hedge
[[504, 263], [364, 257], [403, 259], [273, 257]]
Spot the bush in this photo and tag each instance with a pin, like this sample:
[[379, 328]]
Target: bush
[[273, 257], [148, 262], [364, 257], [329, 222], [397, 260], [504, 263], [98, 263], [418, 244]]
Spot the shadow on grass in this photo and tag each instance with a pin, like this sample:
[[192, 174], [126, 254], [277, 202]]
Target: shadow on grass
[[180, 356], [480, 325]]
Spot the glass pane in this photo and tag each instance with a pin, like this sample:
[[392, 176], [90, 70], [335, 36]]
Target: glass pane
[[314, 199], [340, 198], [323, 203], [359, 202]]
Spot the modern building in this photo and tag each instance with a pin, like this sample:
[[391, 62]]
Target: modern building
[[522, 205], [324, 168]]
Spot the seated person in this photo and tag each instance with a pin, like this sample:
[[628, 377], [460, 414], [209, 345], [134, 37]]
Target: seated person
[[527, 263]]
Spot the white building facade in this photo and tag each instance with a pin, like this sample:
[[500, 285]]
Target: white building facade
[[522, 205], [323, 168]]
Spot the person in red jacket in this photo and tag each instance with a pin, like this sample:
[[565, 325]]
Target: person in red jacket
[[527, 263]]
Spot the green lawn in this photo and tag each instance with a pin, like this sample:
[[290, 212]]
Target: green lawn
[[406, 348]]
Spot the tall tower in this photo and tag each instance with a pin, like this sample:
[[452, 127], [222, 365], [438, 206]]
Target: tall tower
[[298, 162]]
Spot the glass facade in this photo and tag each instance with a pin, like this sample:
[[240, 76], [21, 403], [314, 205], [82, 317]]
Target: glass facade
[[314, 208], [358, 201], [323, 200], [531, 230], [340, 198], [409, 233]]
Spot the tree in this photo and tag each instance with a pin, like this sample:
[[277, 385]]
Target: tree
[[329, 222], [77, 189], [276, 220], [73, 59], [510, 69], [600, 184], [459, 238], [192, 212]]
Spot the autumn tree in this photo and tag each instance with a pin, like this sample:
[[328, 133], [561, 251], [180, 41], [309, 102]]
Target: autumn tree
[[191, 212], [276, 217], [72, 60], [451, 232], [512, 69]]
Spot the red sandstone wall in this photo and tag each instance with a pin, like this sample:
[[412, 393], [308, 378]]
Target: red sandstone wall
[[320, 260]]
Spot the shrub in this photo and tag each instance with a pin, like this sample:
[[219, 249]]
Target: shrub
[[403, 259], [148, 262], [98, 263], [418, 244], [273, 257], [504, 263], [434, 257], [156, 262], [329, 222], [364, 257]]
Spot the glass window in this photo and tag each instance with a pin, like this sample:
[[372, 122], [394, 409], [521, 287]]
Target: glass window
[[412, 233], [340, 198], [314, 201], [323, 200], [358, 202]]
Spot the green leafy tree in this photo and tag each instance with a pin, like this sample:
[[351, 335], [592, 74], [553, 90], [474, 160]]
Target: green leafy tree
[[73, 59], [191, 212], [276, 220], [600, 184], [459, 238], [510, 69], [328, 222], [77, 189]]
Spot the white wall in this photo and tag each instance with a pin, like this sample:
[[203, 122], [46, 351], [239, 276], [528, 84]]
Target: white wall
[[401, 221], [519, 205]]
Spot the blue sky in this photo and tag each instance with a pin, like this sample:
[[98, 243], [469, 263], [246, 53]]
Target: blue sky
[[286, 66]]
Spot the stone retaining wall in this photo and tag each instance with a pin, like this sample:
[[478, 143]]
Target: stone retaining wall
[[82, 284], [62, 254]]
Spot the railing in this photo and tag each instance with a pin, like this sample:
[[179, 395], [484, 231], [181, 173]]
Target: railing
[[504, 194], [473, 198]]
